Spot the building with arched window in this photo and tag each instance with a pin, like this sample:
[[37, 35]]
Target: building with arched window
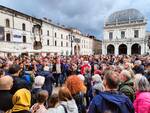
[[125, 33], [21, 32]]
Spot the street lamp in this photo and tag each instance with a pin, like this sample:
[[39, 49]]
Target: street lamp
[[71, 38]]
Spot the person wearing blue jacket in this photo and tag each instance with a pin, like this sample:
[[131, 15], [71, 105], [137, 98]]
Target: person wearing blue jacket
[[111, 100]]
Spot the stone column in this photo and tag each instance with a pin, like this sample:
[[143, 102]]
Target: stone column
[[116, 49], [128, 49]]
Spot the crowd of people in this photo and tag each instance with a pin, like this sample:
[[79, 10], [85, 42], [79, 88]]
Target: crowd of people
[[75, 84]]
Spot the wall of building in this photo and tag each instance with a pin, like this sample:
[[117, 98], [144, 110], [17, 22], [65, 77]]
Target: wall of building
[[48, 39]]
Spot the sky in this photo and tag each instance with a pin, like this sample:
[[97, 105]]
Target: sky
[[86, 15]]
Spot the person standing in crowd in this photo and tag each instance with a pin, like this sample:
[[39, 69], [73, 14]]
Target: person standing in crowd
[[142, 101], [57, 69], [66, 102], [111, 99], [77, 89], [39, 107], [127, 85], [18, 82], [21, 101], [6, 83], [97, 86], [37, 86], [53, 101], [138, 67]]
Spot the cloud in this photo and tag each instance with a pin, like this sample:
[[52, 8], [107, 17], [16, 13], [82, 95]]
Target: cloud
[[86, 15]]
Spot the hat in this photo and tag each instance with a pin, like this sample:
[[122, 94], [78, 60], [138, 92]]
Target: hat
[[39, 81], [6, 82]]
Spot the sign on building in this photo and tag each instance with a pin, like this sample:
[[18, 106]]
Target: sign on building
[[17, 36]]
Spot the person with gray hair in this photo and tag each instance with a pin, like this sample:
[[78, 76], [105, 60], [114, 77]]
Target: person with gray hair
[[138, 67], [127, 85], [142, 101]]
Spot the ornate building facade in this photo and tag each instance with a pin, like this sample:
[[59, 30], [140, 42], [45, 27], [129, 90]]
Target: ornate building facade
[[125, 33], [20, 33]]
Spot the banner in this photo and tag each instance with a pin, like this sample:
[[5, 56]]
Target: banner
[[17, 36], [1, 33]]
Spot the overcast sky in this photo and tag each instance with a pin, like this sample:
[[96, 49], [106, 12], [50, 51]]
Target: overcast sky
[[86, 15]]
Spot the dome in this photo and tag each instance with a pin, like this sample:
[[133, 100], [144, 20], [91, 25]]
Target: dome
[[127, 15]]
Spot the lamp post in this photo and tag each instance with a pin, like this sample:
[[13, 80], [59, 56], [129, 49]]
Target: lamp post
[[71, 38]]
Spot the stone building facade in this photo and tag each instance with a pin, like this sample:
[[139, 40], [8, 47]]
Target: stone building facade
[[125, 33]]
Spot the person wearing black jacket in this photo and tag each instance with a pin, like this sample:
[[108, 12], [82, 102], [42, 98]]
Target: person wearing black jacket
[[18, 82], [6, 83], [57, 71]]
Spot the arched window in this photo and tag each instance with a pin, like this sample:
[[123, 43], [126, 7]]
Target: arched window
[[23, 27], [7, 23]]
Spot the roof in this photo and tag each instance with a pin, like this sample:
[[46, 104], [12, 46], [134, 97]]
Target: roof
[[128, 15]]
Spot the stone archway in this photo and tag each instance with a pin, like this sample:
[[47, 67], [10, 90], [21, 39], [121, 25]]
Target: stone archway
[[110, 49], [122, 49], [135, 49], [76, 49]]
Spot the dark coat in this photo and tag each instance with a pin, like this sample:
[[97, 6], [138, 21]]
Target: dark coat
[[139, 69], [18, 83], [127, 89], [115, 102], [6, 100], [49, 79]]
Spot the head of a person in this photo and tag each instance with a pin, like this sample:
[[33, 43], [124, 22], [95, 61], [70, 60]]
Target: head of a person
[[21, 100], [98, 87], [96, 66], [142, 84], [125, 75], [111, 80], [42, 96], [53, 100], [6, 82], [137, 63], [14, 69], [75, 84], [81, 77], [38, 82], [96, 78], [64, 94]]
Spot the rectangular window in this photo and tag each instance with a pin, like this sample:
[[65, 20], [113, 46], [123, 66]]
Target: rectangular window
[[111, 35], [24, 39], [47, 32], [66, 44], [55, 35], [48, 42], [7, 23], [136, 33], [23, 27], [55, 43], [8, 37], [61, 36], [66, 37], [122, 34], [61, 43]]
